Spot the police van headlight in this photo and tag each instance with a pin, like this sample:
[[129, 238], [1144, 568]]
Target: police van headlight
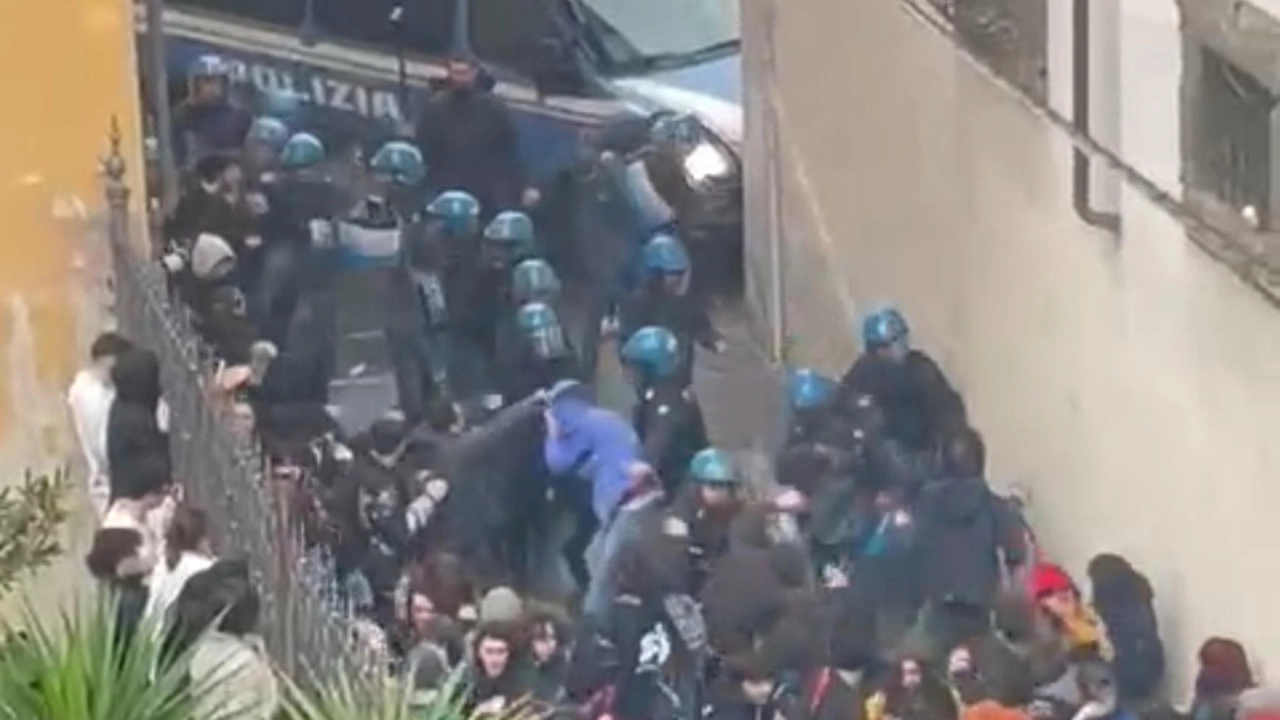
[[707, 163]]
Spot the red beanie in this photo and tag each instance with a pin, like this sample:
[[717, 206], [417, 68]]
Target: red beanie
[[1049, 579]]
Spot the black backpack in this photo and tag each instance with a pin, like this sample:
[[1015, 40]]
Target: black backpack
[[1139, 654]]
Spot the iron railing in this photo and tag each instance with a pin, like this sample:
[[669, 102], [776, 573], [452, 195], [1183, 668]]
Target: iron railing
[[309, 630], [1231, 151]]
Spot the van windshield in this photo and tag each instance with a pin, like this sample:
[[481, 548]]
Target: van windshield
[[637, 35]]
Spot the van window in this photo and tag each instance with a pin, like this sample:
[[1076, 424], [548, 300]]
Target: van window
[[273, 12], [427, 24], [509, 32]]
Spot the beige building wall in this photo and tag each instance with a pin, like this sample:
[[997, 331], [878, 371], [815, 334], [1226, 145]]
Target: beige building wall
[[1129, 382]]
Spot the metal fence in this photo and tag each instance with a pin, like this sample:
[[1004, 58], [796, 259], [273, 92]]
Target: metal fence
[[309, 631], [1231, 153]]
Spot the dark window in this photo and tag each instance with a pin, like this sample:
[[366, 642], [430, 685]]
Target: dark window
[[274, 12], [427, 25], [1231, 147], [1010, 36], [508, 32]]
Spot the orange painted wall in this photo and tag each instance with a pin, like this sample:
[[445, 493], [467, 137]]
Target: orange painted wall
[[68, 67]]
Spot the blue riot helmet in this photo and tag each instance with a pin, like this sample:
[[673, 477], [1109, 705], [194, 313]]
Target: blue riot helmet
[[664, 258], [712, 466], [885, 330], [399, 162], [458, 210], [808, 390], [664, 254], [268, 131], [534, 280], [266, 136], [510, 236], [282, 104], [208, 79], [540, 325], [652, 353], [302, 150]]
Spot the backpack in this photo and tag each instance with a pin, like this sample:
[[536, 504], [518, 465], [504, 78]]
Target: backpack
[[1139, 654]]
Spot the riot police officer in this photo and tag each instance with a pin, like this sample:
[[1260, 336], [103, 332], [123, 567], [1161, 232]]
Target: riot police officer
[[811, 396], [397, 170], [379, 227], [532, 281], [708, 504], [206, 121], [921, 407], [543, 356], [507, 239], [451, 224], [262, 145], [663, 299], [418, 326], [667, 416], [297, 232], [451, 221]]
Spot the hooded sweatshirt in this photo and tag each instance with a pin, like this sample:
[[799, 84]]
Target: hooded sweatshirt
[[207, 253], [596, 444], [134, 434], [961, 528]]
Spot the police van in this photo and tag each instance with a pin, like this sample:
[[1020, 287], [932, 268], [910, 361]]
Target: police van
[[566, 68]]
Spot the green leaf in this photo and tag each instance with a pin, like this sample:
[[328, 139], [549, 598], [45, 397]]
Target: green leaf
[[31, 517], [73, 667]]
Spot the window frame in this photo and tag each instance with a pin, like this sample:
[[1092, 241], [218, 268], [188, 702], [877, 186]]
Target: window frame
[[503, 66], [1205, 32]]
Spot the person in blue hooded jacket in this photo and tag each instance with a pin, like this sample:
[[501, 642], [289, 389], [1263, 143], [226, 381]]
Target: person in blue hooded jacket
[[585, 442]]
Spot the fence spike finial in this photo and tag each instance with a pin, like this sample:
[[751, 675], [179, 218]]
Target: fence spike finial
[[113, 171], [113, 166]]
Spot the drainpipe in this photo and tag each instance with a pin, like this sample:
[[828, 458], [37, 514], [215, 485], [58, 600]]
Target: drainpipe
[[1081, 162], [777, 168]]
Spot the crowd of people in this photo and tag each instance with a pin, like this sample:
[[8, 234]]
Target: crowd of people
[[553, 553]]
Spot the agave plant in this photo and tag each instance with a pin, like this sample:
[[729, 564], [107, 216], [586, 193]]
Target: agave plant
[[75, 667], [351, 699]]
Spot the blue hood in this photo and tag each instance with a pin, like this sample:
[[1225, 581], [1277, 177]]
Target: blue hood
[[597, 445], [571, 413]]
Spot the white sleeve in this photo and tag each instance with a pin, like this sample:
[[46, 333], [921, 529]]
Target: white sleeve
[[75, 404]]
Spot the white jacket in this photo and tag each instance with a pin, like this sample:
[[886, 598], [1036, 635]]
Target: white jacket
[[90, 397], [166, 583]]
